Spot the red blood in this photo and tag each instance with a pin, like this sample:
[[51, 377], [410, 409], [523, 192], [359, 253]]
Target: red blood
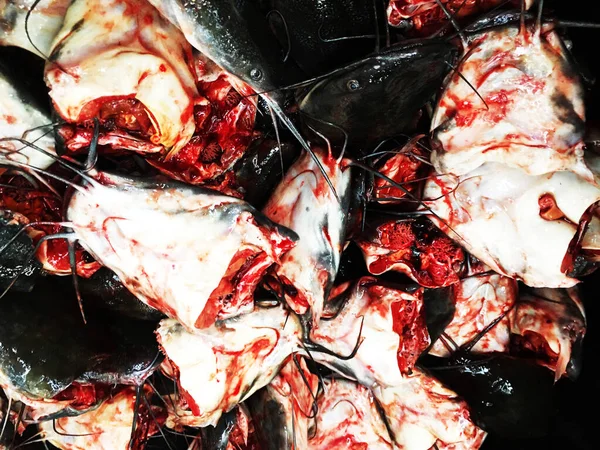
[[465, 119], [549, 210], [123, 120], [83, 396], [409, 324], [432, 258], [91, 109], [396, 235], [260, 348], [534, 84], [296, 299], [187, 114], [498, 104], [445, 191], [201, 115], [148, 19], [143, 77], [127, 113], [534, 345], [403, 168], [443, 259], [427, 17], [224, 129], [243, 435], [43, 206], [226, 294], [348, 442], [235, 290], [190, 153]]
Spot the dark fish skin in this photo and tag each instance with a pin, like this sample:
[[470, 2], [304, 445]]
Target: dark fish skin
[[352, 265], [43, 342], [234, 35], [217, 438], [360, 185], [495, 19], [576, 363], [15, 256], [26, 73], [260, 169], [507, 396], [379, 96], [439, 310], [45, 346], [104, 290], [128, 348], [310, 30], [273, 431], [9, 18]]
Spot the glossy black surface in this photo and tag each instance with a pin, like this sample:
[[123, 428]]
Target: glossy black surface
[[574, 425]]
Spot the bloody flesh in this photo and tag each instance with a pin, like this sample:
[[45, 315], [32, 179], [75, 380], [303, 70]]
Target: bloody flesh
[[406, 167], [121, 62], [243, 434], [118, 112], [224, 129], [220, 366], [479, 301], [426, 16], [548, 326], [389, 323], [523, 105], [83, 396], [414, 247], [188, 251], [241, 278], [409, 324], [534, 345], [43, 206], [408, 318], [549, 210]]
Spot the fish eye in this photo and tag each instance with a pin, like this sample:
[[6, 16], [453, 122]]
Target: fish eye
[[353, 85], [256, 74]]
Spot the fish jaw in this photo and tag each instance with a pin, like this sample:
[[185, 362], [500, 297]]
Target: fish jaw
[[556, 318], [421, 412], [178, 248], [107, 427], [304, 203], [348, 414], [532, 113], [118, 50], [229, 361], [18, 117], [392, 336], [479, 301], [495, 213]]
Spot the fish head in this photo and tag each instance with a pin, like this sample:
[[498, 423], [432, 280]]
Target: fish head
[[379, 96]]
